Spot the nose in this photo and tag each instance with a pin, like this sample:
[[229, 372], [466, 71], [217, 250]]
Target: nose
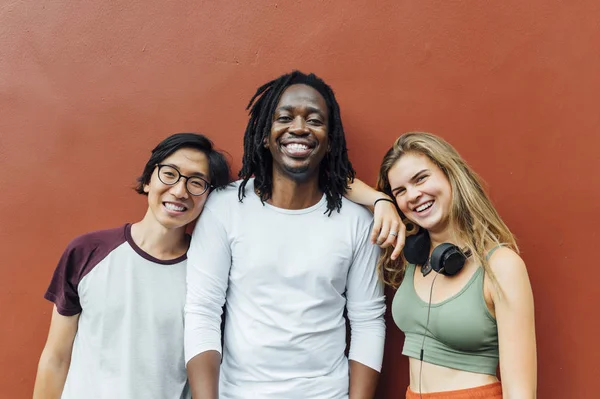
[[298, 125], [179, 189], [412, 193]]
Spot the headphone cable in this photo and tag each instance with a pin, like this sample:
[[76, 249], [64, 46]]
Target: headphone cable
[[425, 335]]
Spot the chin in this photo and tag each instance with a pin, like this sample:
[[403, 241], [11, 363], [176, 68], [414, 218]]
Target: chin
[[437, 226], [171, 224], [299, 173], [429, 223]]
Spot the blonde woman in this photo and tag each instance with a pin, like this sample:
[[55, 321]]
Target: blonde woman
[[478, 310]]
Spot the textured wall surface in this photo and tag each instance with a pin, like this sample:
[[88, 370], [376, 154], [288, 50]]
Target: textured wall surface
[[88, 87]]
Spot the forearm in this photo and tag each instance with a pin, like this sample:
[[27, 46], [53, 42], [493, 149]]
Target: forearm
[[50, 378], [518, 393], [363, 381], [203, 375], [524, 384], [521, 384], [363, 194]]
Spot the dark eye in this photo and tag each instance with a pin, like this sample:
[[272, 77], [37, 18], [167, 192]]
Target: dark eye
[[315, 122], [168, 174], [400, 192], [283, 119], [421, 178], [198, 183]]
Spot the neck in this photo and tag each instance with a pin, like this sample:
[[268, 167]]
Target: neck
[[292, 194], [157, 240], [440, 236]]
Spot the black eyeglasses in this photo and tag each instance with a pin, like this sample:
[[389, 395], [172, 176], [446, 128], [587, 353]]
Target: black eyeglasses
[[170, 176]]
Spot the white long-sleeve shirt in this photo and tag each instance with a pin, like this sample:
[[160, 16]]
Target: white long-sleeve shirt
[[288, 276]]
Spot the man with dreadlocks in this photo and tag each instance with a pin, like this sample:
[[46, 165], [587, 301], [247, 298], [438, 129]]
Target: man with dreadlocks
[[290, 254]]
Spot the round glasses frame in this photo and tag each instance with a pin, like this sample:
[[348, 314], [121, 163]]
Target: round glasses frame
[[207, 185]]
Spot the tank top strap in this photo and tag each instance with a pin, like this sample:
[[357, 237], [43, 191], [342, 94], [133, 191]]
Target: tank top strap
[[491, 251], [409, 272]]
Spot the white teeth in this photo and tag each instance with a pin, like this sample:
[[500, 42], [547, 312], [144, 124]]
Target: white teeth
[[424, 206], [173, 207], [296, 147]]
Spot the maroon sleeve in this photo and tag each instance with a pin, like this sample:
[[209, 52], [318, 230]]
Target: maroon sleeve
[[80, 257]]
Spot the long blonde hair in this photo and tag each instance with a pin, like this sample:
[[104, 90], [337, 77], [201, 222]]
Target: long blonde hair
[[475, 220]]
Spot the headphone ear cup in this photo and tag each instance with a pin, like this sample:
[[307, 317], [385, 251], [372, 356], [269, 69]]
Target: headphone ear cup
[[416, 247], [447, 259]]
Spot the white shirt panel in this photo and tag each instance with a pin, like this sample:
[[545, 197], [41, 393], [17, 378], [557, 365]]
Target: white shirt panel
[[288, 276]]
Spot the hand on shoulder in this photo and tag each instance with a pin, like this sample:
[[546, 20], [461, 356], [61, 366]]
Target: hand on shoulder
[[388, 229]]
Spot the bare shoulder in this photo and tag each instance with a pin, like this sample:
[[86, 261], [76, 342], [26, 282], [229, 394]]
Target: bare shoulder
[[510, 272], [506, 263]]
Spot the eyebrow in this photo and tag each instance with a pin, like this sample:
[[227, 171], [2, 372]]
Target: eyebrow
[[193, 174], [311, 110], [411, 179]]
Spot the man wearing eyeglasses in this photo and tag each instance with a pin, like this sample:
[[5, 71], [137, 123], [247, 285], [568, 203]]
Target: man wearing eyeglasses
[[117, 323]]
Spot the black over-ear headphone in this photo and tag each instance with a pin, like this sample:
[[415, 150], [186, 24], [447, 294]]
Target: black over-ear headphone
[[446, 258]]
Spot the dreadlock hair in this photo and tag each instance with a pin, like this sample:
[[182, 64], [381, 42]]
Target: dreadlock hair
[[335, 170]]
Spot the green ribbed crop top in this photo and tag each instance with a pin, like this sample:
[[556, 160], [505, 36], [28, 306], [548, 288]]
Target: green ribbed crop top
[[462, 334]]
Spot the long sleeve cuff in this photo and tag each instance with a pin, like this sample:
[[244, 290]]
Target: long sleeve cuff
[[200, 336], [367, 337]]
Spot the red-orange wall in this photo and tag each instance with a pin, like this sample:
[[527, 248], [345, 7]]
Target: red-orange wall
[[88, 87]]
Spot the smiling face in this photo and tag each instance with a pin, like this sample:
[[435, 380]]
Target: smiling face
[[173, 206], [422, 191], [298, 140]]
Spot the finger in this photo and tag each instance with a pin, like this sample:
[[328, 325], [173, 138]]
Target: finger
[[401, 229], [390, 240], [392, 235], [400, 240], [398, 247], [376, 230], [383, 234]]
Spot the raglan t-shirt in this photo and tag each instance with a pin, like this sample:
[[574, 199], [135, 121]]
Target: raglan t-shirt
[[129, 341]]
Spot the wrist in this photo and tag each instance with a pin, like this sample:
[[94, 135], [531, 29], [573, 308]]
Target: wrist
[[384, 198]]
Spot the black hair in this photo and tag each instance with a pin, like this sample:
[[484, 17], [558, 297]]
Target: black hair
[[335, 170], [219, 172]]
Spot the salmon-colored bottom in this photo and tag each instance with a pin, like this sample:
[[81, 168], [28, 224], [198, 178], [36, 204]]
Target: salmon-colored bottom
[[491, 391]]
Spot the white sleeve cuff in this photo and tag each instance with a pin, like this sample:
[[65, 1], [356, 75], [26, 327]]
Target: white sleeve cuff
[[367, 336]]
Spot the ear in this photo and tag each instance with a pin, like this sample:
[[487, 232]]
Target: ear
[[266, 142], [146, 188]]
